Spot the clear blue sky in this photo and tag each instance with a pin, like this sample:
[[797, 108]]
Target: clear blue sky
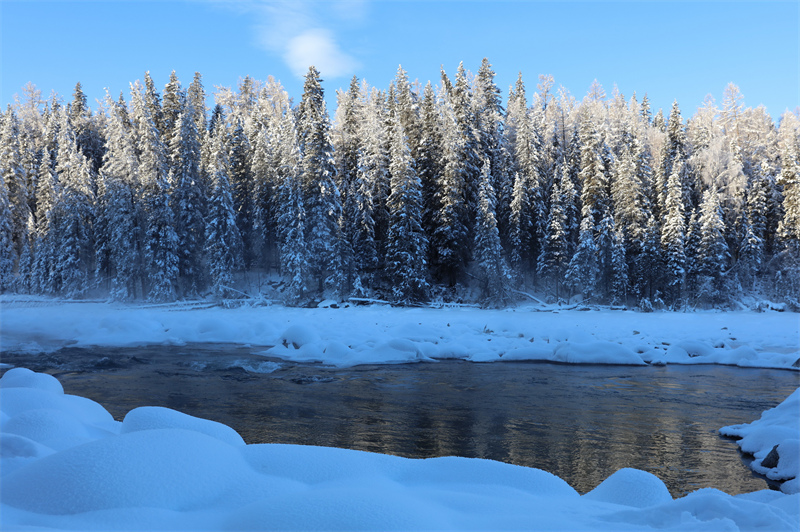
[[672, 50]]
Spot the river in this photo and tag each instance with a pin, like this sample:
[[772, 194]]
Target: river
[[581, 423]]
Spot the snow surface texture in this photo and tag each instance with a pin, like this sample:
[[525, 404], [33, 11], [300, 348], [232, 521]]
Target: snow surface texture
[[66, 464], [777, 428], [386, 335]]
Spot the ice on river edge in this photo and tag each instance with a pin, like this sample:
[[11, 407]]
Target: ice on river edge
[[385, 335], [67, 465]]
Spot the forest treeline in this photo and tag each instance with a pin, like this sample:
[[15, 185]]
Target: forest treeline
[[409, 194]]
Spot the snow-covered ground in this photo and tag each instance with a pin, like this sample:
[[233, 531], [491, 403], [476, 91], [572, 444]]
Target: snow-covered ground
[[774, 442], [66, 464], [383, 334]]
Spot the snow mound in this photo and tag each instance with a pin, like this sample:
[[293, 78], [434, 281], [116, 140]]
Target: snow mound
[[631, 487], [157, 417], [779, 426], [297, 336], [25, 378], [165, 468]]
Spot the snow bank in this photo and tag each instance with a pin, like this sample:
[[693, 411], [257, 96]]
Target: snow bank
[[160, 469], [774, 442], [386, 335]]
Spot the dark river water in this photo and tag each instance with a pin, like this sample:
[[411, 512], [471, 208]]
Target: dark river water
[[581, 423]]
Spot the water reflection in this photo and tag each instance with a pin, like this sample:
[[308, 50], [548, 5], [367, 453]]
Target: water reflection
[[581, 423]]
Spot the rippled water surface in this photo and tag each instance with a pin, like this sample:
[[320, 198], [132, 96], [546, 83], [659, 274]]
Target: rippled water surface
[[581, 423]]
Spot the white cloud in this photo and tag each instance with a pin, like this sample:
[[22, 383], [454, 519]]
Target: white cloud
[[317, 47], [296, 31]]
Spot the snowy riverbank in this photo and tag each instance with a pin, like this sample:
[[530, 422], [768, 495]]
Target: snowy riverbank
[[66, 464], [383, 334]]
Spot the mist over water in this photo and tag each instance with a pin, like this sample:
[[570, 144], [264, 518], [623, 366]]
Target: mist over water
[[581, 423]]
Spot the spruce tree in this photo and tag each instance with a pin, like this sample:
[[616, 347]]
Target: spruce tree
[[673, 234], [223, 244], [321, 196], [160, 240], [406, 243], [495, 275], [187, 198], [713, 250], [120, 252]]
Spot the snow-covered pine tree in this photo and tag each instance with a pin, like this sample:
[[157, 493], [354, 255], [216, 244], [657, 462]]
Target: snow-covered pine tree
[[160, 240], [223, 243], [152, 101], [321, 196], [44, 237], [528, 213], [673, 235], [346, 144], [242, 184], [7, 252], [13, 174], [788, 276], [713, 253], [495, 275], [74, 212], [172, 107], [119, 251], [451, 234], [618, 292], [188, 198], [583, 271], [488, 113], [87, 137], [555, 256], [289, 209], [428, 162], [406, 247], [196, 95]]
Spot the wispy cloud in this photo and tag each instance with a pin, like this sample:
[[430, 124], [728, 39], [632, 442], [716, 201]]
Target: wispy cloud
[[301, 32]]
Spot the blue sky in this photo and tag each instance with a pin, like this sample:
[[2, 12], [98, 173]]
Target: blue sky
[[672, 50]]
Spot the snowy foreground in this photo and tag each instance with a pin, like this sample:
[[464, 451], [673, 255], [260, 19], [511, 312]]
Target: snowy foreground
[[385, 335], [66, 464]]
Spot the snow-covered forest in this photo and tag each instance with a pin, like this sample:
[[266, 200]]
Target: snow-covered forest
[[410, 193]]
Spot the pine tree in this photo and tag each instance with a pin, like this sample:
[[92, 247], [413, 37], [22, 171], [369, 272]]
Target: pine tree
[[619, 269], [713, 250], [242, 185], [583, 271], [44, 237], [7, 252], [187, 198], [74, 212], [347, 144], [172, 107], [406, 243], [119, 246], [555, 256], [787, 282], [451, 233], [321, 196], [428, 163], [495, 274], [160, 240], [528, 213], [13, 174], [673, 234], [223, 241]]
